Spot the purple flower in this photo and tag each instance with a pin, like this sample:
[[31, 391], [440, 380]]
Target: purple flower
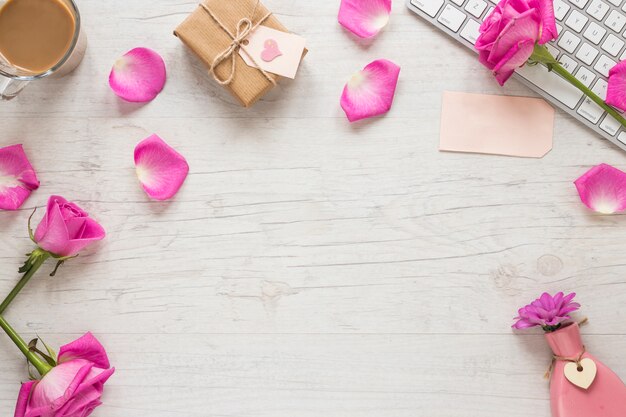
[[547, 311]]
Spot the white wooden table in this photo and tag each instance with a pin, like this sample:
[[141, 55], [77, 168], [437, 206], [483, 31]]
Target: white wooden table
[[308, 267]]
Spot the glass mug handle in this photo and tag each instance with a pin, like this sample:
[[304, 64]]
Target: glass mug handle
[[9, 88]]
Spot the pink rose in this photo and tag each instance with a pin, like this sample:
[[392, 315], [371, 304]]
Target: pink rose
[[66, 229], [509, 34], [73, 388]]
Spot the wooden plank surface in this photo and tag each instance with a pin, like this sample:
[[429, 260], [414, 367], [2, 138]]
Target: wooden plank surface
[[308, 267]]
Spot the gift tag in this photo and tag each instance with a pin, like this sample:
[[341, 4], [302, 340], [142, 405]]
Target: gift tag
[[581, 377], [274, 51]]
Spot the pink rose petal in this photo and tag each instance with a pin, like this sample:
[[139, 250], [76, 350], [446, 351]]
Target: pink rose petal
[[86, 347], [370, 92], [513, 59], [616, 90], [22, 398], [161, 170], [17, 177], [546, 12], [364, 18], [138, 76], [603, 189]]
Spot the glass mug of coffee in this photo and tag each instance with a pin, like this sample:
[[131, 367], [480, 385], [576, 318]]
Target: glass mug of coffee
[[38, 39]]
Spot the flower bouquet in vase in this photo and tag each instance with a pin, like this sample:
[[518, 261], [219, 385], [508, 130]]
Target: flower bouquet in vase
[[580, 385]]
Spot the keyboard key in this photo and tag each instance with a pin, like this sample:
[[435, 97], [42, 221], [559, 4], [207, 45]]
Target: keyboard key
[[623, 57], [552, 84], [568, 63], [610, 125], [585, 76], [622, 137], [613, 44], [595, 32], [569, 41], [615, 21], [458, 2], [579, 3], [430, 7], [587, 53], [590, 110], [576, 20], [604, 65], [598, 9], [600, 88], [451, 18], [559, 29], [476, 7], [560, 9], [615, 3], [488, 12], [470, 31]]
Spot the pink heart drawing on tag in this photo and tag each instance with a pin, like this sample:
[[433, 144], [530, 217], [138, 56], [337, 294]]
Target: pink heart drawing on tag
[[271, 51]]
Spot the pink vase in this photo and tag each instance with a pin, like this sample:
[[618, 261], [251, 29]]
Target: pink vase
[[606, 397]]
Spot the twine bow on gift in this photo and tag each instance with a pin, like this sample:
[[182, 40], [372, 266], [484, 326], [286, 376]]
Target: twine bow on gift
[[244, 28]]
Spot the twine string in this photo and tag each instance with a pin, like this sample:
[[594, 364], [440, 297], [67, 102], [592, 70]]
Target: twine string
[[244, 28], [576, 360]]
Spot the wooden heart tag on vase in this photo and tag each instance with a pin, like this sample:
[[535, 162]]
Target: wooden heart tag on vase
[[581, 374]]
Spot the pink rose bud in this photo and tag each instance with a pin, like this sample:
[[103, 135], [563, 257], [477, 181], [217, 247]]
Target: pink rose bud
[[66, 229], [73, 387]]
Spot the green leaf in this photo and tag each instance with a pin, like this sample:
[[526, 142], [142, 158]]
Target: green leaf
[[33, 257], [56, 268], [550, 329], [32, 346], [30, 372], [30, 229], [27, 264], [51, 352], [60, 261], [47, 358]]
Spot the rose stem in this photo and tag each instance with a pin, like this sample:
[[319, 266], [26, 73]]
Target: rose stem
[[40, 258], [39, 364], [542, 55], [558, 68]]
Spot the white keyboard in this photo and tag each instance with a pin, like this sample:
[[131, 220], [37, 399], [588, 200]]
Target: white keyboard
[[591, 40]]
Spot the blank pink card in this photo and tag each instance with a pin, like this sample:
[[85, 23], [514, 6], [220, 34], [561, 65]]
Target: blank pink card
[[501, 125]]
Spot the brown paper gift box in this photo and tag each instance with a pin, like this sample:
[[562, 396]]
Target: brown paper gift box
[[207, 40]]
